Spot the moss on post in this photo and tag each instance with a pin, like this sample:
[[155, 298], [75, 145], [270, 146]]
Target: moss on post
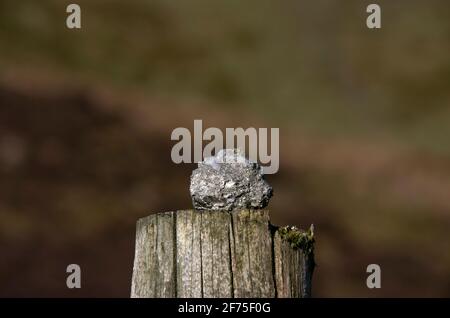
[[299, 239]]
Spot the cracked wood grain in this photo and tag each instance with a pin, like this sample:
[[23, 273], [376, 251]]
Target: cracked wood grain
[[217, 254]]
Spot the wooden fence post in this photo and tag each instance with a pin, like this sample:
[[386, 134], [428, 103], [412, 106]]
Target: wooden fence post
[[220, 254]]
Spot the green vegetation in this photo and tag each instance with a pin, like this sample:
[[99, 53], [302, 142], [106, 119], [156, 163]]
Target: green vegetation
[[300, 239], [310, 66]]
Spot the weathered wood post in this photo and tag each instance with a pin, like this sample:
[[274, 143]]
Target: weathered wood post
[[220, 254], [226, 247]]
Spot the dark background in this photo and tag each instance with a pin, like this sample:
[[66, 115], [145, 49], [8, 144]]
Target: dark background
[[86, 117]]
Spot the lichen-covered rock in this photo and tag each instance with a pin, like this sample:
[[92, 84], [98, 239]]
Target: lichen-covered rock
[[229, 181]]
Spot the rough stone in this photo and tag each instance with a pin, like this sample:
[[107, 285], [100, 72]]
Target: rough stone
[[229, 181]]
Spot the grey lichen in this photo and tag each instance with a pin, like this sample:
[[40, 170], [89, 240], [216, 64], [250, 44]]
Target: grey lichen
[[227, 182], [299, 239]]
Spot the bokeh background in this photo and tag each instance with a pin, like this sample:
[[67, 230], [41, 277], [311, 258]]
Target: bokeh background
[[86, 117]]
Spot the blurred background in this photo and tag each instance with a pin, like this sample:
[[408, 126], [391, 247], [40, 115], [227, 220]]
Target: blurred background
[[86, 117]]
